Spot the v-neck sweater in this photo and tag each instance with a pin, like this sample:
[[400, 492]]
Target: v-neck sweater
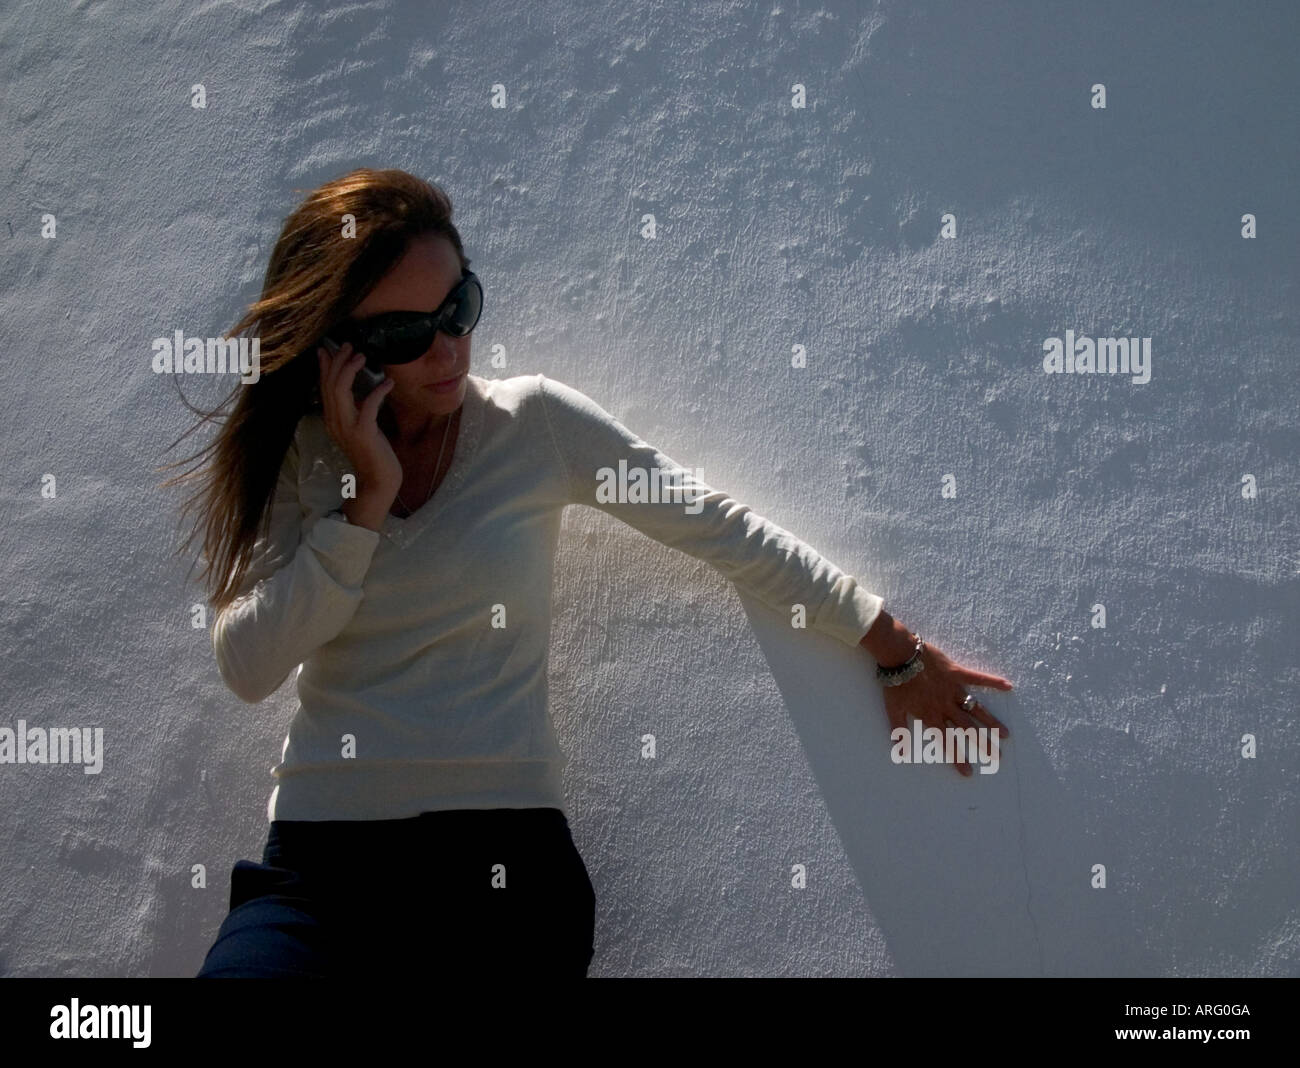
[[421, 648]]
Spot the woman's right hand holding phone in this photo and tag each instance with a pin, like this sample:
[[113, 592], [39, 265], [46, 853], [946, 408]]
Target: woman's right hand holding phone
[[356, 431]]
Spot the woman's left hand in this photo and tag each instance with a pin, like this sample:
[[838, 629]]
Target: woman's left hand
[[935, 695]]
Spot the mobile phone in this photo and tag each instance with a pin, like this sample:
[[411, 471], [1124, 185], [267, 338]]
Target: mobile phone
[[367, 378]]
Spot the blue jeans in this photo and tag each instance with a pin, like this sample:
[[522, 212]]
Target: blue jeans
[[475, 892]]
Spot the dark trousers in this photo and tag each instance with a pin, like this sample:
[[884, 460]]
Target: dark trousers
[[477, 892]]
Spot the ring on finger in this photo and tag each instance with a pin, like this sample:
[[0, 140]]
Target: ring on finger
[[968, 703]]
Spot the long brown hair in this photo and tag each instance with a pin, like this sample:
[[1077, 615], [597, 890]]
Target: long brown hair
[[316, 275]]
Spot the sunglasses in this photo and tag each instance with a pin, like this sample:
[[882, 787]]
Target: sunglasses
[[404, 336]]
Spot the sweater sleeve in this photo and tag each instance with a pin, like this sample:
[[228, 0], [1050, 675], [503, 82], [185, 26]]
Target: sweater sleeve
[[301, 589], [760, 557]]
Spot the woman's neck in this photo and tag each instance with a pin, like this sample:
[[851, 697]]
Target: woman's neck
[[413, 431]]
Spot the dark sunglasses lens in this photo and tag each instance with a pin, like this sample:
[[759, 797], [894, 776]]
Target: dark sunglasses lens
[[467, 305], [396, 340], [403, 337], [404, 341]]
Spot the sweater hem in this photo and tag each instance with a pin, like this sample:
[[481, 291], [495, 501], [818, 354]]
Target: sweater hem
[[388, 790]]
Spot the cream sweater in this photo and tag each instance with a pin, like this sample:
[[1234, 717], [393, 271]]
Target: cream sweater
[[421, 649]]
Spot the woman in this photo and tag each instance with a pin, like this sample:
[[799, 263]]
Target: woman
[[397, 551]]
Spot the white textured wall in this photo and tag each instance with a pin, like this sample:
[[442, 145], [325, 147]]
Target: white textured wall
[[776, 226]]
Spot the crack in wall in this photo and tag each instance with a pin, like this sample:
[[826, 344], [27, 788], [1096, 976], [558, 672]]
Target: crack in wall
[[1024, 867]]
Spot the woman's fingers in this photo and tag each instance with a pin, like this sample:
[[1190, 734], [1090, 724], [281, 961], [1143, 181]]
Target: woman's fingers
[[936, 698], [369, 411], [981, 678], [988, 719], [962, 766], [336, 381], [971, 677], [977, 717]]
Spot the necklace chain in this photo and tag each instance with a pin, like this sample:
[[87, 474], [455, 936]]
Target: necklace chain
[[445, 432]]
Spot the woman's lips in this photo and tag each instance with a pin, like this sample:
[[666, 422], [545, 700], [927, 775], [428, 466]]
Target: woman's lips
[[447, 385]]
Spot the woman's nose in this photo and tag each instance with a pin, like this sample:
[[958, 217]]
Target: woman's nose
[[443, 354]]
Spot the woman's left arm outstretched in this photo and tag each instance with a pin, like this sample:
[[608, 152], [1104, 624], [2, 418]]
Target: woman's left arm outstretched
[[766, 560]]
